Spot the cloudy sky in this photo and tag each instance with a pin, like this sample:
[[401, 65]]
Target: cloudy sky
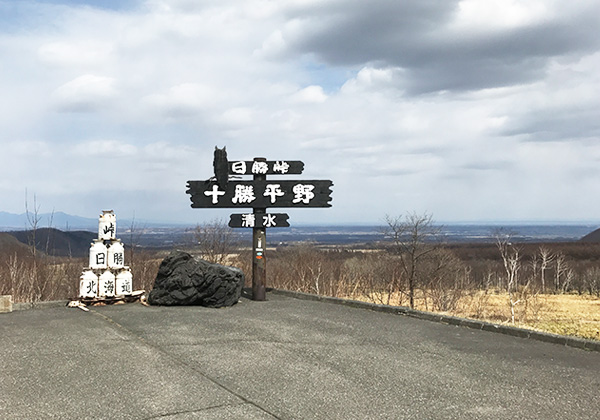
[[472, 110]]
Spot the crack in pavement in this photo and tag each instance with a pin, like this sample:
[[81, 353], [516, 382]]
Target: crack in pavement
[[158, 416], [178, 360]]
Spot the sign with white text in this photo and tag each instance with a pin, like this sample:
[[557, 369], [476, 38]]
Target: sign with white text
[[261, 194], [224, 191], [267, 167], [256, 220]]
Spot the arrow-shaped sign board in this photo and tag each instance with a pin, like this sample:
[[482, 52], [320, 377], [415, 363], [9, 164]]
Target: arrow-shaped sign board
[[259, 220], [266, 167], [261, 194]]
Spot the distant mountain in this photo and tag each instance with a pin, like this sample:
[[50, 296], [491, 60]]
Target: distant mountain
[[592, 236], [56, 242], [67, 222], [58, 219], [11, 246]]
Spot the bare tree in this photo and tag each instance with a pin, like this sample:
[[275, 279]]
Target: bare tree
[[533, 264], [305, 269], [216, 241], [36, 277], [415, 238], [569, 277], [560, 270], [33, 220], [546, 257], [447, 280], [591, 280], [511, 258], [135, 234], [376, 277], [143, 261]]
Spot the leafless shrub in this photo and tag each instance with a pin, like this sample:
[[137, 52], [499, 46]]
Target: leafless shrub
[[448, 280], [591, 281], [30, 278], [376, 277], [546, 258], [306, 269], [144, 268], [216, 241], [480, 300], [511, 258], [535, 308], [414, 237]]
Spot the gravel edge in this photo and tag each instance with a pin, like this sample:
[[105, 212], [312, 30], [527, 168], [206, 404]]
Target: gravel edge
[[39, 305]]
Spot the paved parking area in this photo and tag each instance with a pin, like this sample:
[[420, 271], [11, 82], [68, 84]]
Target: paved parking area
[[285, 358]]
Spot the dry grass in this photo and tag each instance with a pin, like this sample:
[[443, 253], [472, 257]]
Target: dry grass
[[567, 314]]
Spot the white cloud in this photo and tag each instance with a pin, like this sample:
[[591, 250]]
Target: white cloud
[[450, 107], [239, 117], [186, 99], [166, 152], [23, 149], [85, 93], [272, 47], [369, 78], [310, 94], [75, 53], [500, 13], [111, 149]]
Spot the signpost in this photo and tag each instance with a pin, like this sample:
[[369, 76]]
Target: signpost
[[249, 220], [259, 194]]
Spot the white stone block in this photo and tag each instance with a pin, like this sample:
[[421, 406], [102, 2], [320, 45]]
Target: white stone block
[[88, 284], [106, 286]]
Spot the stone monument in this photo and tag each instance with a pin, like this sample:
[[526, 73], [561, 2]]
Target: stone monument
[[107, 275]]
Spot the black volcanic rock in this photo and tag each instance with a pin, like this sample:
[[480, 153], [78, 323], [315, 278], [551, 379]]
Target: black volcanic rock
[[185, 280], [592, 237]]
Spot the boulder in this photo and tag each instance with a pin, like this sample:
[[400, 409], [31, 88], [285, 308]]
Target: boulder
[[185, 280]]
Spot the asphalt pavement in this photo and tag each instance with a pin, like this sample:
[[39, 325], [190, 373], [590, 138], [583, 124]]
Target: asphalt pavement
[[285, 358]]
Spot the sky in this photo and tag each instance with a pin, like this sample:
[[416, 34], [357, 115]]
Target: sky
[[468, 110]]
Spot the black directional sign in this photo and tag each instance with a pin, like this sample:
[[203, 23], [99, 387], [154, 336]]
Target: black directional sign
[[223, 190], [267, 167], [261, 194], [258, 220]]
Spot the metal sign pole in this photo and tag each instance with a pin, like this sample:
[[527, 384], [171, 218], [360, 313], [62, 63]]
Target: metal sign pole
[[259, 247]]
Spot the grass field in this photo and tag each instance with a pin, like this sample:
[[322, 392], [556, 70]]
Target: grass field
[[567, 314]]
